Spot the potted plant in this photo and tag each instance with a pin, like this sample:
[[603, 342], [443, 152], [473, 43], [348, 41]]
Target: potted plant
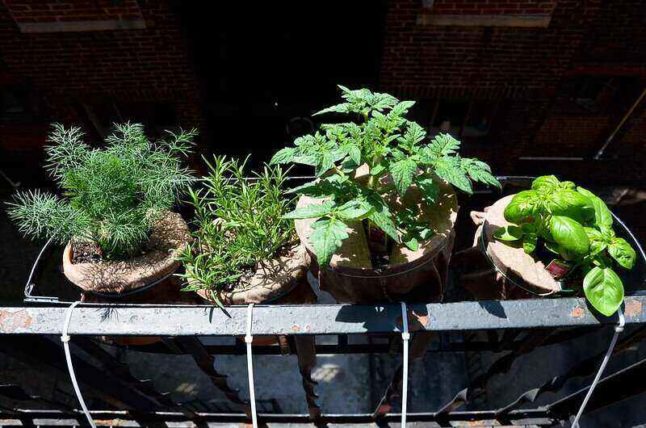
[[567, 231], [378, 218], [114, 212], [243, 250]]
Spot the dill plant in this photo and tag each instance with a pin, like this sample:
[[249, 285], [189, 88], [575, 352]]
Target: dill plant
[[110, 196], [239, 224]]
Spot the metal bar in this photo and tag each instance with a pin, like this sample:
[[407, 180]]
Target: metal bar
[[121, 319], [623, 120], [520, 417], [618, 386]]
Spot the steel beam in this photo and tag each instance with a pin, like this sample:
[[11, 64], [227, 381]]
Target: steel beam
[[121, 319]]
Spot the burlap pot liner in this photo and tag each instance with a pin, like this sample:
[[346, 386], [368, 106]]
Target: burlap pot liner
[[168, 236], [271, 281], [491, 269], [351, 277]]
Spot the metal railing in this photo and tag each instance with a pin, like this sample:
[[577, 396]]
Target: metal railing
[[507, 329]]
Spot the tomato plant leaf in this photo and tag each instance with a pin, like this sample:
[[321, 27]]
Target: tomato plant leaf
[[327, 236], [402, 172], [353, 210], [311, 211]]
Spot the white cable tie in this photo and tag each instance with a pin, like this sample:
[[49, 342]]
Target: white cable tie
[[618, 329], [252, 394], [405, 339], [65, 338]]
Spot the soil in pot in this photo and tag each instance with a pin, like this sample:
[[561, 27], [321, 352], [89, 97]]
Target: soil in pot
[[491, 269], [282, 280], [84, 266], [356, 276]]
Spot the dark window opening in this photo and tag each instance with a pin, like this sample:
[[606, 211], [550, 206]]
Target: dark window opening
[[596, 94]]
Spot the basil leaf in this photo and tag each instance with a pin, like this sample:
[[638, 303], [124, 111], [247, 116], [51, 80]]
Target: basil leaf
[[530, 241], [597, 242], [622, 252], [523, 205], [508, 233], [569, 234], [546, 182], [604, 290], [602, 215], [569, 203]]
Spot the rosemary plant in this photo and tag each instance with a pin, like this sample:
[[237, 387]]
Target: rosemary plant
[[238, 224], [110, 196]]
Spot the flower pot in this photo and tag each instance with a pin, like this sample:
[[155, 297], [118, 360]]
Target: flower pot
[[413, 276], [168, 235], [495, 270], [283, 278]]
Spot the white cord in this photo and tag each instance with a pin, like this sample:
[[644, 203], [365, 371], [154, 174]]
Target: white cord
[[405, 339], [618, 329], [65, 338], [248, 339]]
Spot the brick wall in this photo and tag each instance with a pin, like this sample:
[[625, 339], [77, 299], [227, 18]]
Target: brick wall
[[490, 7], [521, 66], [74, 72], [35, 11]]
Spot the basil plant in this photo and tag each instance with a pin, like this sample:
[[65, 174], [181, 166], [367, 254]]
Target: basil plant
[[575, 225]]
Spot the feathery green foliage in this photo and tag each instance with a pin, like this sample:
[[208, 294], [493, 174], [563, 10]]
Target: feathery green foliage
[[394, 150], [110, 196], [239, 223], [576, 225]]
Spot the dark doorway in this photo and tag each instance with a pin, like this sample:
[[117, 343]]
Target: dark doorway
[[265, 67]]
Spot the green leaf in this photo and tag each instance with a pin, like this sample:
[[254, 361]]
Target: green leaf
[[444, 145], [401, 108], [597, 241], [569, 234], [412, 243], [450, 170], [604, 290], [402, 173], [569, 203], [285, 155], [602, 215], [620, 250], [327, 236], [414, 135], [378, 169], [354, 152], [380, 215], [480, 172], [353, 210], [546, 183], [339, 108], [523, 205], [508, 233], [311, 211], [530, 241], [430, 190]]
